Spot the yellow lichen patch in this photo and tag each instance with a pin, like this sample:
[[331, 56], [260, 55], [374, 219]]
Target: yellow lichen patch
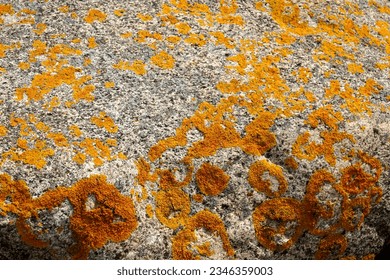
[[287, 214], [183, 28], [92, 228], [258, 138], [104, 121], [206, 220], [285, 39], [126, 35], [304, 75], [144, 17], [255, 178], [173, 39], [149, 211], [331, 247], [291, 163], [198, 197], [6, 9], [163, 60], [109, 84], [144, 173], [35, 156], [138, 66], [41, 27], [87, 61], [172, 207], [120, 12], [59, 139], [196, 39], [24, 65], [75, 130], [95, 15], [3, 131], [211, 180], [316, 209], [144, 35], [64, 9], [355, 68], [221, 39], [79, 158], [92, 43], [204, 249]]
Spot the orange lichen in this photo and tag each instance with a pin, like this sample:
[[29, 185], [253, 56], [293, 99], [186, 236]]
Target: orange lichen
[[3, 131], [287, 213], [35, 156], [196, 39], [6, 9], [59, 139], [332, 246], [163, 60], [120, 12], [41, 27], [211, 180], [95, 15], [109, 84], [172, 207], [206, 220], [79, 158], [291, 163], [138, 66], [92, 228], [92, 43], [104, 121], [222, 39], [126, 35], [75, 130], [183, 28], [256, 180], [144, 17], [355, 68], [24, 65]]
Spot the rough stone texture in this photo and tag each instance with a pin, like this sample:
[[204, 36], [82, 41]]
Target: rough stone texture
[[110, 108]]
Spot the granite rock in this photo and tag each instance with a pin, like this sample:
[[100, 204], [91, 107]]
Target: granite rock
[[194, 129]]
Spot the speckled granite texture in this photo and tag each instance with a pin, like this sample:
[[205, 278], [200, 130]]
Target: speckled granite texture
[[194, 129]]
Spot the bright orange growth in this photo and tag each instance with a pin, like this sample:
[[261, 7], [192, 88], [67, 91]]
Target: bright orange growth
[[119, 13], [95, 15], [144, 17], [204, 219], [92, 43], [59, 139], [163, 60], [172, 207], [24, 65], [286, 212], [183, 28], [104, 121], [92, 228], [6, 9], [75, 130], [255, 179], [138, 66], [41, 27], [109, 84], [331, 247], [35, 156], [211, 179], [3, 131], [355, 68]]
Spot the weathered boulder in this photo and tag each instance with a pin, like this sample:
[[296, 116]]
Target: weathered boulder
[[194, 129]]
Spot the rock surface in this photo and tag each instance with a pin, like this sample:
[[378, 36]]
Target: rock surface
[[194, 129]]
